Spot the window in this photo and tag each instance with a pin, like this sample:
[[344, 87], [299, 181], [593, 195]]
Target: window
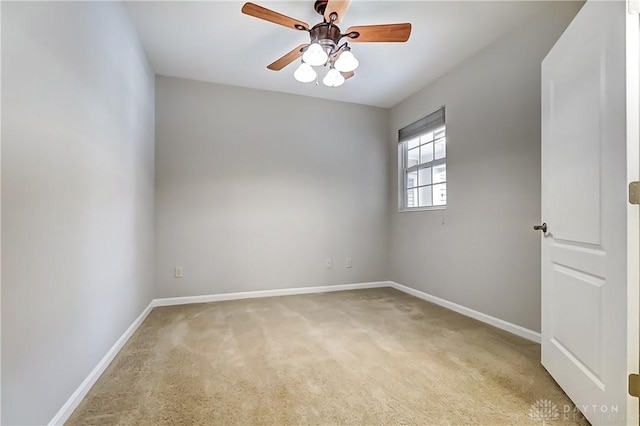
[[422, 163]]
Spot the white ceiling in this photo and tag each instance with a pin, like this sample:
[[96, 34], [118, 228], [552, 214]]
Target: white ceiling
[[213, 41]]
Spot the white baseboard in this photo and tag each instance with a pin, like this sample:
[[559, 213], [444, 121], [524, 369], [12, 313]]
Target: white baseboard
[[496, 322], [488, 319], [72, 403], [170, 301]]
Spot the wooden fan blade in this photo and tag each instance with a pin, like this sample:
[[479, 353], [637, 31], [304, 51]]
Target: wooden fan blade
[[347, 75], [287, 59], [394, 33], [339, 7], [260, 12]]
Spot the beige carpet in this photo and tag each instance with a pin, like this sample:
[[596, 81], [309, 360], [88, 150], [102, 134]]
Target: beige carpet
[[374, 356]]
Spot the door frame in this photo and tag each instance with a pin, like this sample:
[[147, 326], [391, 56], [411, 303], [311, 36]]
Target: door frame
[[633, 212]]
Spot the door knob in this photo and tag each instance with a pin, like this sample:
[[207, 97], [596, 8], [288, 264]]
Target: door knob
[[542, 227]]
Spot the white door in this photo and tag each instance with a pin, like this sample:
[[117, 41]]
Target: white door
[[590, 250]]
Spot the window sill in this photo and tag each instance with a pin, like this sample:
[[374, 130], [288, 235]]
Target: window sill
[[422, 209]]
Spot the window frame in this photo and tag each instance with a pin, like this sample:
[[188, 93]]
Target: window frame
[[403, 155]]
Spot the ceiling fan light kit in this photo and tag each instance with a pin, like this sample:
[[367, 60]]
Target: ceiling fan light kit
[[315, 55], [346, 62], [324, 49], [333, 78], [305, 73]]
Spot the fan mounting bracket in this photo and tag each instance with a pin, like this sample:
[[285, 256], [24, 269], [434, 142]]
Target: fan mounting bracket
[[320, 6]]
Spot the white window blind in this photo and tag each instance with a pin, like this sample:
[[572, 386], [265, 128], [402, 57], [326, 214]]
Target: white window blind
[[422, 165]]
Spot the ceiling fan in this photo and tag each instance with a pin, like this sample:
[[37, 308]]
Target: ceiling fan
[[324, 48]]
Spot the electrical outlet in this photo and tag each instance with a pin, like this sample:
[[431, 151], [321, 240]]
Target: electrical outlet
[[348, 263], [177, 272], [327, 263]]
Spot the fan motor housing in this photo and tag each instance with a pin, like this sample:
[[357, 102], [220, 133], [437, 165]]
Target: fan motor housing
[[326, 34]]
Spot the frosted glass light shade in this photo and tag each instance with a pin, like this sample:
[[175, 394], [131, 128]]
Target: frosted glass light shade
[[333, 78], [346, 62], [304, 73], [315, 55]]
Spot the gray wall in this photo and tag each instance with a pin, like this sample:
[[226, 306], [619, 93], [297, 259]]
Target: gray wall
[[255, 189], [77, 196], [481, 252]]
